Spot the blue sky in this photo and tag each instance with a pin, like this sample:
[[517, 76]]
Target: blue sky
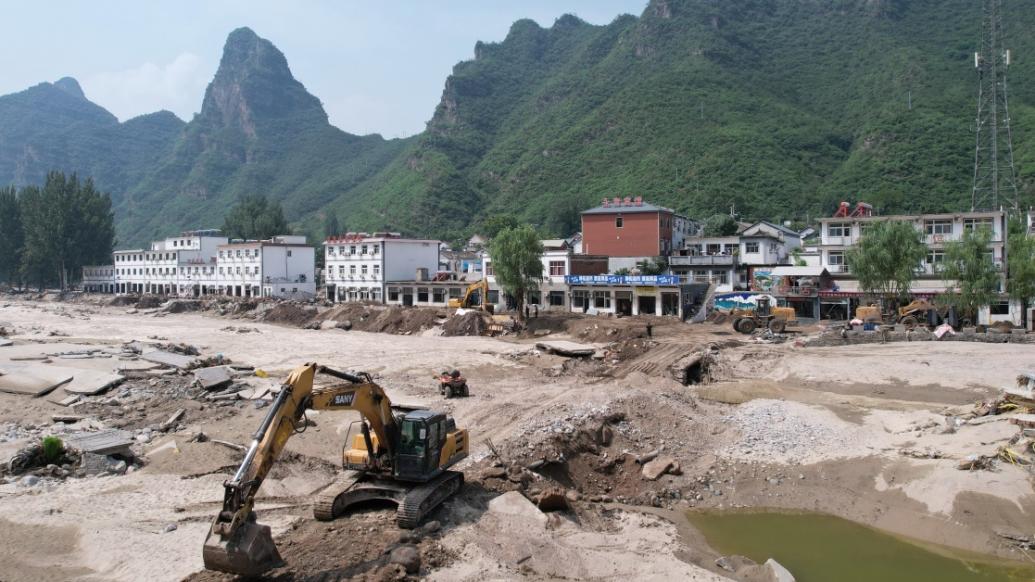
[[378, 67]]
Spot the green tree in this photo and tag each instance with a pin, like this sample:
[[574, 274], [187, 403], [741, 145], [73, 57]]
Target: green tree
[[12, 236], [720, 225], [516, 260], [67, 224], [255, 218], [1020, 254], [652, 266], [970, 272], [495, 224], [886, 258], [331, 226]]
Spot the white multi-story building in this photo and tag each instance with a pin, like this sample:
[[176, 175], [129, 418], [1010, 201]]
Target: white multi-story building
[[839, 234], [283, 266], [359, 265], [183, 265], [203, 262], [731, 262], [559, 261], [99, 279]]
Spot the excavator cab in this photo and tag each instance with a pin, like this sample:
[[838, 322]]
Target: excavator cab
[[422, 438]]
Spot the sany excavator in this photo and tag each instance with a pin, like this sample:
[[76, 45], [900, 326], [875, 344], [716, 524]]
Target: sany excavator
[[398, 455], [476, 296]]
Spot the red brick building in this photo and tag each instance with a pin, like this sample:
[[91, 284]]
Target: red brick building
[[630, 227]]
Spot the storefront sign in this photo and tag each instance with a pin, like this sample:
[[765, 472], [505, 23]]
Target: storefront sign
[[621, 279]]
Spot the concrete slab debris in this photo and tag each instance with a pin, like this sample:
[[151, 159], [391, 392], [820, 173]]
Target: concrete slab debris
[[513, 503], [777, 572], [213, 377], [566, 348], [34, 380], [169, 358], [91, 382], [171, 422], [1024, 420], [5, 342], [70, 400], [105, 442]]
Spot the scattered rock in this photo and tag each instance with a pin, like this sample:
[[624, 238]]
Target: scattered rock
[[657, 467], [29, 481], [170, 528]]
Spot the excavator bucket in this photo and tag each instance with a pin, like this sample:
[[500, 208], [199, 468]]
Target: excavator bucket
[[249, 552]]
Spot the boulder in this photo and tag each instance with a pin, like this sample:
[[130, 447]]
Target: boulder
[[653, 470], [406, 556]]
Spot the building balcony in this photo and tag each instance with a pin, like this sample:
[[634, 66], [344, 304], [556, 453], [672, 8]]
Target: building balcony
[[702, 260], [842, 269]]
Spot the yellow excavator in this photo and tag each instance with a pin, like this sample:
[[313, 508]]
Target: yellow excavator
[[399, 455], [476, 296]]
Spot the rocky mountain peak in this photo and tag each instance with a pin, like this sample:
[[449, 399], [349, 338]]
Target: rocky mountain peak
[[255, 84], [70, 86]]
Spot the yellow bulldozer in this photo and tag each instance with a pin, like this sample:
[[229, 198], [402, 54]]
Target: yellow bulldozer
[[911, 315], [400, 455]]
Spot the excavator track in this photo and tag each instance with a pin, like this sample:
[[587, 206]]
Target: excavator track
[[424, 498], [332, 501]]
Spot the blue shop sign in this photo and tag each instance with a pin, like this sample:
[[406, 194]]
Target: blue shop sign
[[621, 279]]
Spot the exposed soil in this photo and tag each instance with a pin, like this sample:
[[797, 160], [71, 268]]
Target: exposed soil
[[869, 432]]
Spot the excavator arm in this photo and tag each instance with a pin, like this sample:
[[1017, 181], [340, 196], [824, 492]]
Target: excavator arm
[[235, 543]]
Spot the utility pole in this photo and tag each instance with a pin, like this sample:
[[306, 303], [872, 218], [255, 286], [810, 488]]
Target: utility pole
[[995, 178]]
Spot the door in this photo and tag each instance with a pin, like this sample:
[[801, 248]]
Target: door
[[648, 305]]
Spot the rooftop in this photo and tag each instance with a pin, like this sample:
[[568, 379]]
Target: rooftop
[[626, 205]]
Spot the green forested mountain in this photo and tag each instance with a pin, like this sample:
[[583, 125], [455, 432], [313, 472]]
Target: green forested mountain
[[779, 107]]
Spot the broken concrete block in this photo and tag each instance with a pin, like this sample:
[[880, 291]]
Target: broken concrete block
[[514, 504], [34, 380], [566, 348], [106, 442], [213, 377], [655, 469], [95, 464], [91, 382], [169, 359]]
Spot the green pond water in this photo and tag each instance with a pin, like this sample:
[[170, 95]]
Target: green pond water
[[823, 548]]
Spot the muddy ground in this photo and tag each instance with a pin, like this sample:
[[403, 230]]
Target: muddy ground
[[859, 431]]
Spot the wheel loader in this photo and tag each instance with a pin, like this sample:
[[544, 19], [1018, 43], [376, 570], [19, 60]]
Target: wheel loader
[[776, 319], [400, 455]]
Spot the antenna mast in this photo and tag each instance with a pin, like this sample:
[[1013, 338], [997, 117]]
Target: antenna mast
[[995, 179]]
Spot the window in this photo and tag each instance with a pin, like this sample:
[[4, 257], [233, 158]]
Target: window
[[935, 259], [289, 252], [618, 222], [836, 261], [720, 277], [750, 247], [535, 298], [393, 293], [363, 269], [341, 270], [999, 308], [330, 251], [238, 270], [220, 270], [352, 269], [221, 255], [977, 223], [352, 250], [557, 269], [377, 249], [439, 295], [602, 299], [839, 229], [363, 250], [422, 294], [454, 292], [556, 298], [938, 227], [489, 272], [377, 270], [494, 296], [580, 299]]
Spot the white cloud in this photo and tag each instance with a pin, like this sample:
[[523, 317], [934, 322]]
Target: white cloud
[[178, 86]]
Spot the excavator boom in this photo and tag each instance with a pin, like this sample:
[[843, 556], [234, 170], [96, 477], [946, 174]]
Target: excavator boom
[[405, 464]]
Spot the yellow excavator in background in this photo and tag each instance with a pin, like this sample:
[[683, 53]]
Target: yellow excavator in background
[[476, 296], [399, 455]]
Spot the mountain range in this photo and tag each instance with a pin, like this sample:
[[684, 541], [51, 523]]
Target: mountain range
[[777, 109]]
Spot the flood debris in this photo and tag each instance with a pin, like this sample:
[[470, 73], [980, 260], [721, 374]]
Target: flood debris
[[566, 348], [33, 380], [214, 377]]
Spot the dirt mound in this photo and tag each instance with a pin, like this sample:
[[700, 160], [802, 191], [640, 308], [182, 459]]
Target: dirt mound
[[181, 306], [384, 319], [122, 300], [289, 313], [149, 301], [472, 323]]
